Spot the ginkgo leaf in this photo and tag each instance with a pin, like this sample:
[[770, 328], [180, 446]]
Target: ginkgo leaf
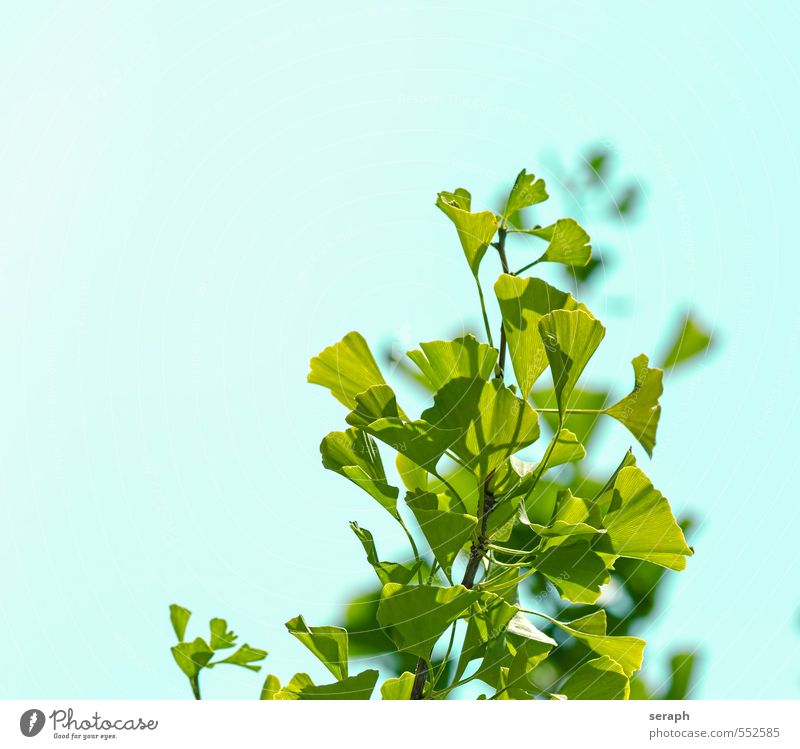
[[272, 685], [301, 687], [387, 572], [346, 368], [445, 531], [570, 339], [399, 688], [442, 361], [689, 339], [514, 477], [421, 442], [245, 656], [193, 656], [416, 616], [492, 422], [576, 570], [640, 410], [627, 651], [475, 230], [328, 644], [221, 637], [179, 617], [354, 455], [377, 402], [573, 518], [599, 679], [568, 243], [412, 476], [527, 657], [583, 424], [527, 191], [640, 523], [523, 303], [488, 619]]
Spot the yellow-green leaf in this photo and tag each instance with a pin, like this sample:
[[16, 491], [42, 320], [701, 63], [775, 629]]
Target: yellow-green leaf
[[475, 230], [328, 643]]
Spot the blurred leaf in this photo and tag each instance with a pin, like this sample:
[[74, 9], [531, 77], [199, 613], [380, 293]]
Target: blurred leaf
[[475, 230], [688, 340], [192, 656], [682, 667], [599, 679], [570, 339], [355, 456], [442, 361], [640, 410], [221, 637], [179, 617], [523, 303], [627, 201], [328, 644], [244, 657], [346, 368], [527, 191], [597, 164]]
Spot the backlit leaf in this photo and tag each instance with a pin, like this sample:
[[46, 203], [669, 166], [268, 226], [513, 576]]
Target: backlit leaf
[[354, 455], [442, 361], [576, 570], [527, 191], [301, 687], [329, 644], [346, 368], [416, 616], [245, 656], [399, 688], [192, 656], [388, 572], [640, 411], [475, 230], [179, 617], [568, 243], [570, 339], [599, 679], [523, 303], [272, 685], [221, 637]]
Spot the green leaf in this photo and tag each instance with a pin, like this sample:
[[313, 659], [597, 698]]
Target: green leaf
[[475, 230], [272, 686], [193, 656], [179, 617], [375, 403], [591, 630], [523, 303], [328, 644], [640, 410], [491, 421], [568, 243], [442, 361], [346, 368], [399, 688], [515, 477], [353, 454], [573, 518], [576, 570], [416, 616], [640, 523], [445, 531], [244, 657], [527, 657], [583, 425], [570, 339], [682, 667], [412, 476], [301, 687], [527, 191], [688, 340], [221, 638], [599, 679], [388, 572]]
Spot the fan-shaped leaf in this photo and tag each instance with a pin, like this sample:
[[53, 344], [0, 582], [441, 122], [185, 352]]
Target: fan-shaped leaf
[[640, 410], [568, 243], [475, 230], [598, 679], [527, 191], [329, 644], [442, 361]]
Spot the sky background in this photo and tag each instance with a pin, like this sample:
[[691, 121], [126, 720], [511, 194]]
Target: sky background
[[195, 198]]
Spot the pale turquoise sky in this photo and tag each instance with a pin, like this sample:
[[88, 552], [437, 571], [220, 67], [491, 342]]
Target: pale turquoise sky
[[197, 197]]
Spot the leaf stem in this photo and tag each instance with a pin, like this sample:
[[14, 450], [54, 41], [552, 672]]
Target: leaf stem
[[483, 312], [527, 267], [195, 682], [569, 411]]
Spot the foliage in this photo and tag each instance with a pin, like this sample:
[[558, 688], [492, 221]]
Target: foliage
[[497, 520]]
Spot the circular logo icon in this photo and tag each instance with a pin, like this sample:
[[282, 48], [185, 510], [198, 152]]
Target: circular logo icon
[[31, 722]]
